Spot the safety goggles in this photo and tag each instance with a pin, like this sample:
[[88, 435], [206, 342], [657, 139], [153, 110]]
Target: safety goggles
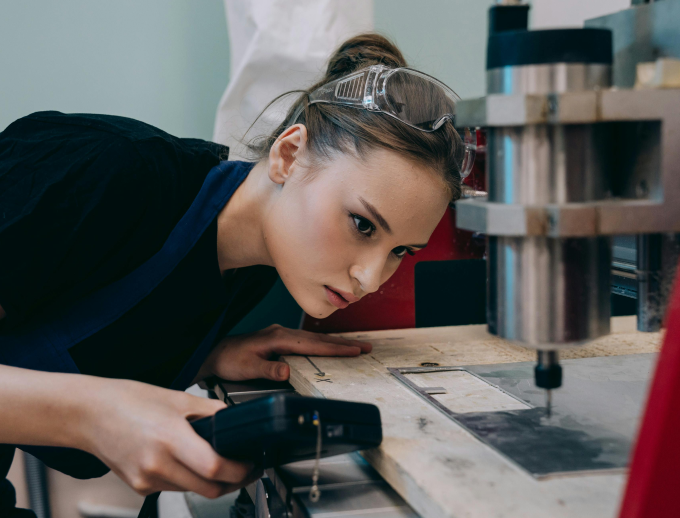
[[416, 99]]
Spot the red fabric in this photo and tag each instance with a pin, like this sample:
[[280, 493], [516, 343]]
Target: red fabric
[[654, 478]]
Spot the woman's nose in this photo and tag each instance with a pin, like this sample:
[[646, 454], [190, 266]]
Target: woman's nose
[[369, 273]]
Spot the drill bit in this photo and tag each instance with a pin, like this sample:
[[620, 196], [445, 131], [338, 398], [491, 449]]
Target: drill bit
[[548, 402]]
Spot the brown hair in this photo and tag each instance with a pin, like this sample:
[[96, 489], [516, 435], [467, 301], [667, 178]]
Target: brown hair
[[333, 128]]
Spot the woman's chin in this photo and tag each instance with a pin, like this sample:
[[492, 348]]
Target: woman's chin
[[325, 312], [311, 303], [319, 310]]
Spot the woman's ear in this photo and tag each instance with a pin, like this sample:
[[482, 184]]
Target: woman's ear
[[283, 152]]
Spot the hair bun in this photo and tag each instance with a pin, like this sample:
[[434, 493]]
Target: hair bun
[[362, 51]]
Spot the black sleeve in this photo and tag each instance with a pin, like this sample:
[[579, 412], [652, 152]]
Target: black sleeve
[[84, 200]]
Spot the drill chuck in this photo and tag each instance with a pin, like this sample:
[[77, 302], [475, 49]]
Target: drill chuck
[[548, 371]]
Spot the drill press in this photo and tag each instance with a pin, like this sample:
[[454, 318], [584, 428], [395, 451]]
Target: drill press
[[570, 163], [546, 291]]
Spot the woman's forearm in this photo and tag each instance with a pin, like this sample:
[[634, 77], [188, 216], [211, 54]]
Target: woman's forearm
[[43, 408], [140, 431]]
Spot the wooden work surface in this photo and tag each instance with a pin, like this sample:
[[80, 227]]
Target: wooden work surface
[[438, 467]]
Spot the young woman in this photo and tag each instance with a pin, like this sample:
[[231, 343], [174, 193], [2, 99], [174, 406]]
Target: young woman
[[126, 255]]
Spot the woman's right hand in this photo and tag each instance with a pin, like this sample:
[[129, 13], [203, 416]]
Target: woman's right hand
[[142, 433]]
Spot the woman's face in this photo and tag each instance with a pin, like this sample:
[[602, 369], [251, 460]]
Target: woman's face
[[338, 233]]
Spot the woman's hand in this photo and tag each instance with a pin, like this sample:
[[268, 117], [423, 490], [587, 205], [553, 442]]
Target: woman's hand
[[142, 433], [249, 356]]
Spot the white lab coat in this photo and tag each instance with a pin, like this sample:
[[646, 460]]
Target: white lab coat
[[278, 46]]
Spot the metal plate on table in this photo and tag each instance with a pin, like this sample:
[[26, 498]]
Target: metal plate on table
[[594, 419], [350, 488]]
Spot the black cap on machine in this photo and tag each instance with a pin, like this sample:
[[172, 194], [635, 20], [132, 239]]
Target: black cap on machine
[[548, 371]]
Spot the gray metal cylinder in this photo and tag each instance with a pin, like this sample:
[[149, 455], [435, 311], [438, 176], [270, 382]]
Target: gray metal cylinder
[[544, 163], [547, 292], [548, 78]]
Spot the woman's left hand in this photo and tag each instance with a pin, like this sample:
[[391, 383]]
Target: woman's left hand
[[244, 357]]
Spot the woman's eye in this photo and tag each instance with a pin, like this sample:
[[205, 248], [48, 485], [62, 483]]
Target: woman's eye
[[363, 225], [401, 251]]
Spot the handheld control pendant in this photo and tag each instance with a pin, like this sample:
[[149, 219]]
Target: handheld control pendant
[[275, 430], [283, 428]]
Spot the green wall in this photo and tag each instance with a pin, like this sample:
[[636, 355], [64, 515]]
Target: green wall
[[165, 62], [444, 38]]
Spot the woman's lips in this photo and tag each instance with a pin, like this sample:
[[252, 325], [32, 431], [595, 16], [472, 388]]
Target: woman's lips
[[340, 299]]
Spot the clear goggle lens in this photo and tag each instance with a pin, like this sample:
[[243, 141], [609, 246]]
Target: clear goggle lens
[[470, 143], [416, 99]]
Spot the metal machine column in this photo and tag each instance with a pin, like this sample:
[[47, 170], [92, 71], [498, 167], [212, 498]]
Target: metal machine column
[[545, 291]]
